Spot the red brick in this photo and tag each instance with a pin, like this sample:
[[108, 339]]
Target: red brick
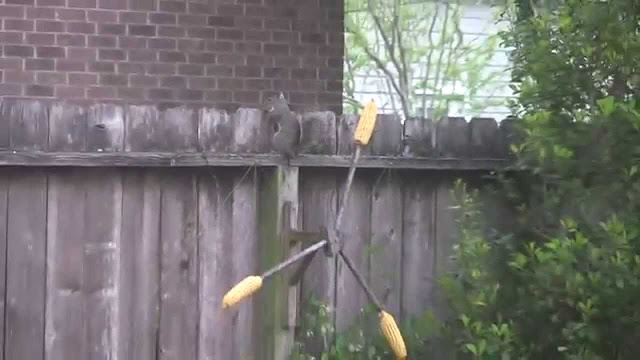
[[50, 26], [304, 50], [275, 72], [133, 17], [40, 39], [10, 90], [173, 6], [173, 82], [230, 83], [189, 95], [70, 65], [201, 32], [162, 43], [259, 60], [228, 21], [218, 95], [71, 40], [219, 46], [143, 81], [81, 54], [195, 8], [219, 70], [111, 29], [162, 18], [258, 84], [19, 77], [303, 97], [202, 58], [102, 67], [10, 37], [161, 69], [142, 30], [11, 63], [303, 74], [250, 23], [314, 61], [101, 92], [18, 25], [248, 71], [248, 47], [172, 56], [312, 85], [19, 2], [334, 86], [290, 37], [246, 96], [86, 4], [230, 10], [230, 59], [190, 45], [142, 55], [50, 2], [229, 34], [191, 69], [255, 35], [38, 90], [131, 68], [251, 10], [51, 78], [102, 16], [113, 4], [127, 42], [8, 11], [83, 79], [202, 83], [71, 14], [102, 41], [286, 61], [69, 92], [171, 31], [192, 20], [113, 80], [39, 64], [131, 93], [312, 38], [159, 94], [276, 49], [277, 24], [112, 54], [287, 84], [81, 27], [18, 50], [50, 52]]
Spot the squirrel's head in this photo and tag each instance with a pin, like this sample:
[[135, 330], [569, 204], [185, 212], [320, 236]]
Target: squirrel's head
[[276, 103]]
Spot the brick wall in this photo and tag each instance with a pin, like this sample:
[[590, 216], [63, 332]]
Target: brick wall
[[226, 53]]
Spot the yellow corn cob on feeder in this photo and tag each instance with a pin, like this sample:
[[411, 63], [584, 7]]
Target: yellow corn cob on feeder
[[392, 334], [366, 124], [241, 290]]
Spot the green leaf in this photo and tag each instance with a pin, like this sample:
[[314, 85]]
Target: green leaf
[[607, 105]]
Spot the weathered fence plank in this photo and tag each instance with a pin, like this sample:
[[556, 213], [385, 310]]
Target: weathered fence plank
[[387, 136], [484, 138], [355, 232], [215, 206], [139, 275], [179, 129], [250, 132], [105, 128], [4, 189], [318, 133], [418, 257], [67, 128], [179, 267], [385, 257], [143, 130], [215, 131], [28, 125], [26, 259], [452, 139]]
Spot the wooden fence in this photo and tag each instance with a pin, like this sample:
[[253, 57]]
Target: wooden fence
[[121, 227]]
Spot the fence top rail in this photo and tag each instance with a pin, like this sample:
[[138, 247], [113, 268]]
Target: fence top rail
[[57, 133]]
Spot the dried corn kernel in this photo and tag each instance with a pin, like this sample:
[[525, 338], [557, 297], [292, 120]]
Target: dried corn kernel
[[392, 333], [241, 290], [366, 123]]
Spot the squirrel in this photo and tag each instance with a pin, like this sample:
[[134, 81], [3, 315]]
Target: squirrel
[[286, 139]]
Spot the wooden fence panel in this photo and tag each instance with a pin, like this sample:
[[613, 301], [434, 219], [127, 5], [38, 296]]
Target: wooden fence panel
[[4, 190]]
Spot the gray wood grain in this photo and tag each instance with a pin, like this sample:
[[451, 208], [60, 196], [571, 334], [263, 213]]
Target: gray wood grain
[[356, 235], [29, 125], [419, 137], [387, 136], [67, 127], [385, 257], [250, 132], [143, 130], [484, 138], [346, 127], [215, 130], [452, 139], [179, 129], [418, 256], [4, 189], [105, 128], [318, 133], [215, 207], [179, 267], [7, 111], [139, 277], [26, 249]]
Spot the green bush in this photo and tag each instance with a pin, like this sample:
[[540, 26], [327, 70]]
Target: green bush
[[561, 279]]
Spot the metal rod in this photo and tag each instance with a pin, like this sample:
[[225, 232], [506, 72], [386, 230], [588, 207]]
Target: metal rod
[[345, 196], [361, 281], [311, 249]]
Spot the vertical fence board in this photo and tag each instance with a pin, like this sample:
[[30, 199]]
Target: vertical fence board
[[143, 130], [216, 264], [215, 130], [318, 133], [245, 259], [346, 127], [105, 128], [418, 137], [65, 322], [179, 267], [7, 111], [387, 136], [179, 129], [385, 257], [29, 125], [4, 187], [139, 275], [355, 233], [484, 139], [67, 127], [26, 246], [250, 132], [418, 258], [452, 138]]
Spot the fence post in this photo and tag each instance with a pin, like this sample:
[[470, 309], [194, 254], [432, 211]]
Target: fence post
[[277, 301]]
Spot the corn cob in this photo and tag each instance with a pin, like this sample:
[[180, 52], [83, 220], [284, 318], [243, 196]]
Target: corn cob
[[241, 290], [366, 123], [392, 333]]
